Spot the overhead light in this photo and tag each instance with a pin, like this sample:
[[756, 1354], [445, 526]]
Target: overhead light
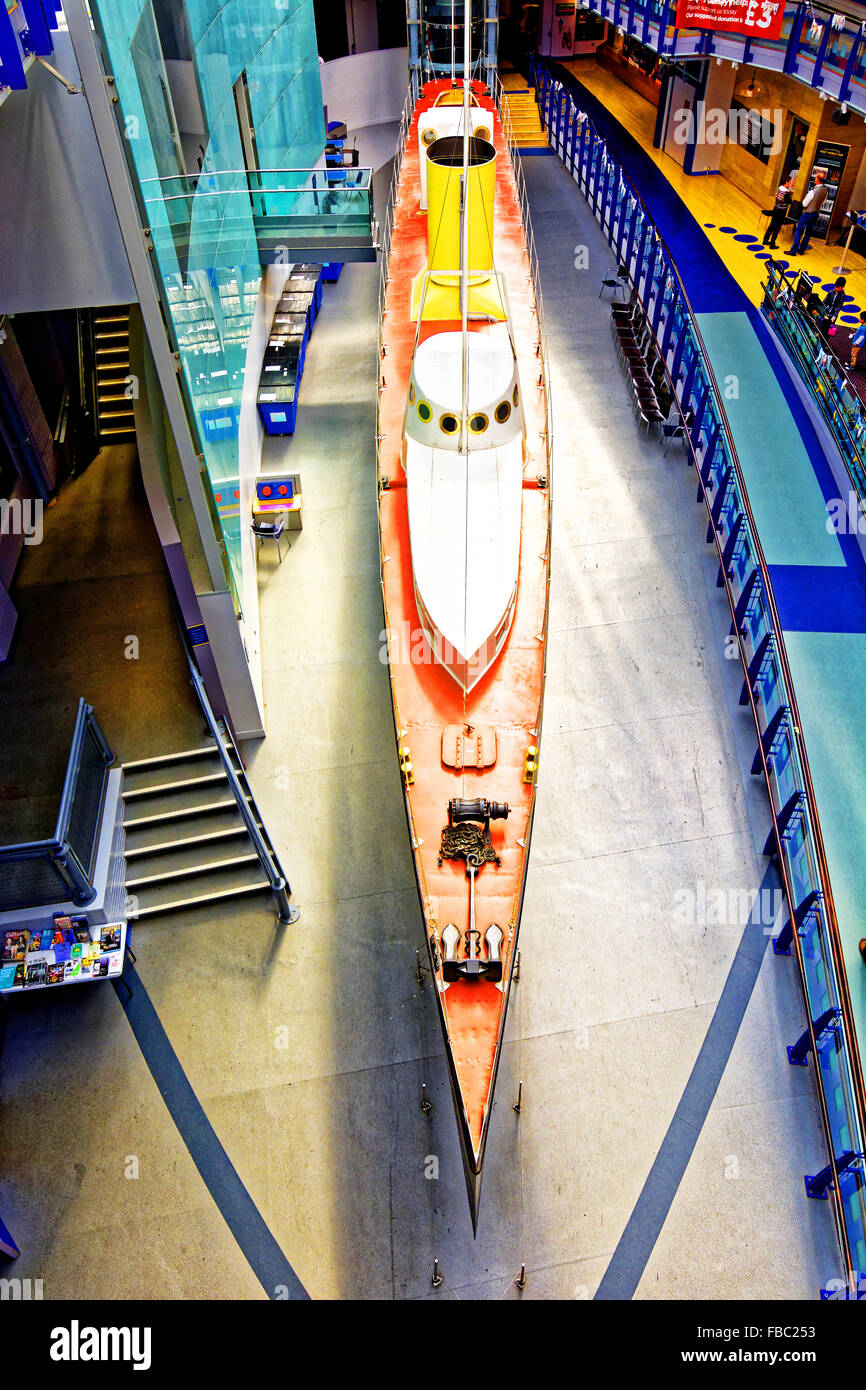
[[750, 88]]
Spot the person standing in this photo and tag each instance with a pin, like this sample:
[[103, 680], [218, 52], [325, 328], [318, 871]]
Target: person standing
[[858, 338], [809, 216], [779, 212]]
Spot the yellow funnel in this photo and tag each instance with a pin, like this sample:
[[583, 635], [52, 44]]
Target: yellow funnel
[[444, 185]]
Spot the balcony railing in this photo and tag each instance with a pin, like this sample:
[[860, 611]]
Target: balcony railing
[[61, 869], [306, 213], [795, 833], [811, 48]]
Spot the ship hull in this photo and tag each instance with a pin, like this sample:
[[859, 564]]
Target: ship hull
[[506, 702]]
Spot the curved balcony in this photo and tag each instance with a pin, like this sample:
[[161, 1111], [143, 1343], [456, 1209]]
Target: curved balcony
[[811, 47]]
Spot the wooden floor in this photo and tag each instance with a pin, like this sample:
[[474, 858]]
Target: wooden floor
[[713, 198]]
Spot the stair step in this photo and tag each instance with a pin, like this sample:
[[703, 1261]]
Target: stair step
[[151, 837], [200, 900], [163, 759], [114, 429], [165, 817], [117, 415], [176, 778], [231, 832], [118, 318], [207, 866], [168, 788], [112, 333]]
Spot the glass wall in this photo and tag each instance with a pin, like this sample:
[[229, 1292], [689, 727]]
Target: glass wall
[[202, 222]]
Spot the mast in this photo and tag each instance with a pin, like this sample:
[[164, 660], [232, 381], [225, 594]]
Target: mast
[[453, 41], [464, 228]]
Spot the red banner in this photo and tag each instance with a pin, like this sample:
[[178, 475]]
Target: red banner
[[756, 18]]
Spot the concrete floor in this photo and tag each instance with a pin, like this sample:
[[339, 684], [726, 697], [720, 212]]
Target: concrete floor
[[308, 1047]]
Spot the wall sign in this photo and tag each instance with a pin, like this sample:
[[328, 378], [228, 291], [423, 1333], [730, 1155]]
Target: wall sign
[[756, 18]]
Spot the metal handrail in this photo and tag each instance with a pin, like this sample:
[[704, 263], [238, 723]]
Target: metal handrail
[[499, 97], [800, 318], [250, 173], [266, 854], [851, 1051], [62, 855], [254, 192]]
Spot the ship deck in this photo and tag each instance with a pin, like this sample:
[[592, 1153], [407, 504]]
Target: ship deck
[[426, 698]]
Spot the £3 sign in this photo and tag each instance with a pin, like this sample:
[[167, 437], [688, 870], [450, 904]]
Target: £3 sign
[[762, 18]]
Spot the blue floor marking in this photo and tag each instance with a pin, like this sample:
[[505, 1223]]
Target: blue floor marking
[[644, 1226], [819, 598], [235, 1204]]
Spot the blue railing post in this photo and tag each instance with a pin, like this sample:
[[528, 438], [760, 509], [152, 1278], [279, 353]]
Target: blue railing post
[[790, 60], [850, 66], [817, 79]]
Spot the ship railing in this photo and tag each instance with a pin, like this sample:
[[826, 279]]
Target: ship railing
[[386, 230], [795, 837], [499, 96]]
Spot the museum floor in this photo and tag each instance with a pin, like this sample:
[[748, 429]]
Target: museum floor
[[662, 1137]]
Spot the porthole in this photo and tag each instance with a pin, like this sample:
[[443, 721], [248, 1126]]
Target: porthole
[[481, 132], [502, 412], [424, 412], [515, 396], [428, 137], [449, 424], [478, 423], [411, 394]]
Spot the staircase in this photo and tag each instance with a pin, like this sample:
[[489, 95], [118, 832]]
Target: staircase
[[186, 843], [115, 418], [523, 110]]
